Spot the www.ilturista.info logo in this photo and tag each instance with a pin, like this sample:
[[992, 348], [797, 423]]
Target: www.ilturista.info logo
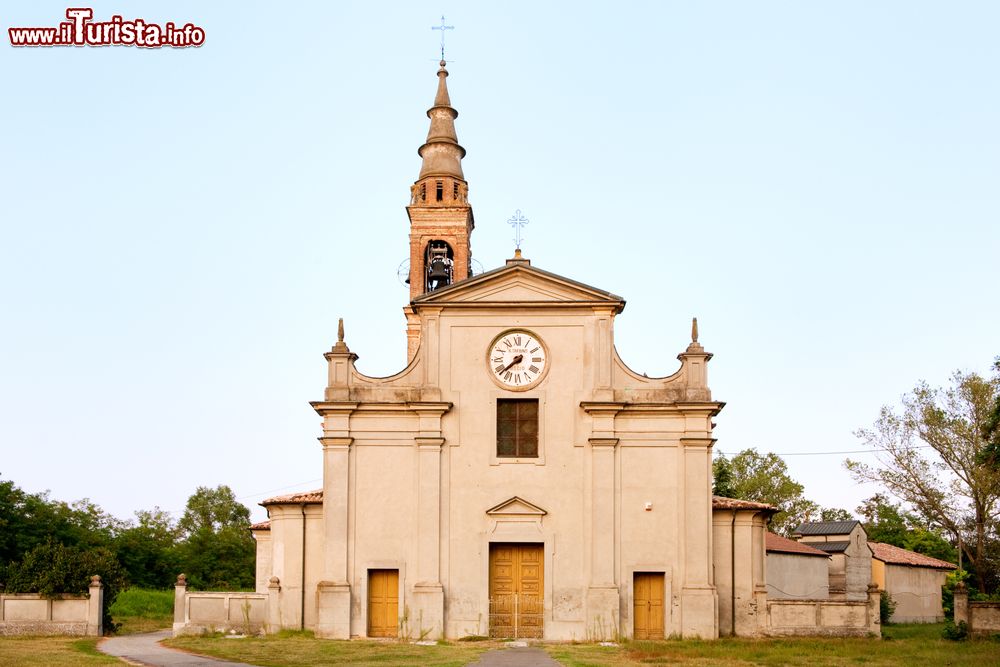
[[80, 30]]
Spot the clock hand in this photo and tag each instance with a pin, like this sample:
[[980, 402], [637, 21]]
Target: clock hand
[[516, 361]]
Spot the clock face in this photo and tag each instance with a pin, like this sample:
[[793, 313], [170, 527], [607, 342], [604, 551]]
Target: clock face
[[517, 359]]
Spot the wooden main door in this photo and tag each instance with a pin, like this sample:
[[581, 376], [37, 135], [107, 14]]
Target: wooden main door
[[647, 596], [516, 590], [383, 602]]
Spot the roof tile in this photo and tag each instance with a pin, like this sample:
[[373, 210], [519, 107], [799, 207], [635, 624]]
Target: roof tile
[[779, 544], [887, 553], [307, 497], [723, 503], [826, 527]]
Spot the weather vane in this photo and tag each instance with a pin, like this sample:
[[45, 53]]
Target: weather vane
[[442, 28], [517, 222]]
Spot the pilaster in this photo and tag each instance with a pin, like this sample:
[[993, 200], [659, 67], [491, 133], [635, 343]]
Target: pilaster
[[699, 601]]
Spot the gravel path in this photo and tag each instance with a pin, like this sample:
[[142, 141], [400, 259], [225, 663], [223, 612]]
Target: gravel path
[[515, 657], [145, 649]]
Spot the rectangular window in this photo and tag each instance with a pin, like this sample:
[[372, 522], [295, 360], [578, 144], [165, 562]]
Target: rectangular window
[[517, 428], [440, 190]]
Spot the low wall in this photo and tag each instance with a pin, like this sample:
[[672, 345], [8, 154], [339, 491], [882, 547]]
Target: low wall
[[981, 617], [198, 612], [817, 618], [32, 614]]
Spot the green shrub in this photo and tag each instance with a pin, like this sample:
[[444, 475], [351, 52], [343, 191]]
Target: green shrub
[[145, 603], [955, 632], [886, 607], [52, 569]]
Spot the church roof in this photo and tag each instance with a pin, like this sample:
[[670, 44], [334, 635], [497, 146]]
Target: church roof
[[832, 547], [723, 503], [779, 544], [826, 528], [303, 497], [888, 553], [519, 282], [261, 525]]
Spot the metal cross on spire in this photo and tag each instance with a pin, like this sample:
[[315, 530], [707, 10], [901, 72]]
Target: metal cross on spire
[[442, 28], [517, 221]]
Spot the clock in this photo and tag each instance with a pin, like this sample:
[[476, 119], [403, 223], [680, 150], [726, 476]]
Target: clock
[[517, 359]]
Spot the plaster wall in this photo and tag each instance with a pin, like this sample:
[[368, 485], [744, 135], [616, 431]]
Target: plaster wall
[[916, 591], [797, 577]]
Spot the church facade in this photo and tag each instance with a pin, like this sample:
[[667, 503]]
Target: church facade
[[516, 478]]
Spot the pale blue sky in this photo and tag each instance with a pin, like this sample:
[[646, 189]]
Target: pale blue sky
[[181, 229]]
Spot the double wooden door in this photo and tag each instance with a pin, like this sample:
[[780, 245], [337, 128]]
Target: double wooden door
[[383, 602], [517, 583], [647, 597]]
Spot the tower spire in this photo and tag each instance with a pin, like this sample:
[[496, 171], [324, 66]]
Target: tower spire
[[442, 154]]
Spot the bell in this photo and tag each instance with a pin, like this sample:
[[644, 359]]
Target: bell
[[439, 273]]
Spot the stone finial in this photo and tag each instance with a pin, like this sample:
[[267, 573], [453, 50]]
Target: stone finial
[[181, 580], [872, 587], [95, 580], [694, 329], [960, 587], [341, 346], [274, 580]]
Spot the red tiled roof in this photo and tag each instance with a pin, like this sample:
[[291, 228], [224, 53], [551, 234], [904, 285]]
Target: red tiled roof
[[723, 503], [781, 544], [263, 525], [888, 553], [307, 497]]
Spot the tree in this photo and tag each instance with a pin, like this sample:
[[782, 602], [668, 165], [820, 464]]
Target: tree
[[888, 522], [951, 487], [147, 549], [991, 429], [835, 514], [763, 478], [53, 569], [217, 550], [30, 519]]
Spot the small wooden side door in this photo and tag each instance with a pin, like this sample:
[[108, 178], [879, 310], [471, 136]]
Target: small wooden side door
[[647, 599], [383, 602]]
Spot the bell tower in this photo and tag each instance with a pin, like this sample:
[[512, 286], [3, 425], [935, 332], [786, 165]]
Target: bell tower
[[441, 219]]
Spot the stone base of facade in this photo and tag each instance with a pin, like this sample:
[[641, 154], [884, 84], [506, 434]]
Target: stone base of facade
[[333, 601], [699, 613], [603, 614], [426, 619]]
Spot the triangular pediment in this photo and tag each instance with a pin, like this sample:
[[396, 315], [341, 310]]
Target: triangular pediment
[[519, 283], [516, 506]]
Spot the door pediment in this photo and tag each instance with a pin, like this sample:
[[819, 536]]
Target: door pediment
[[515, 507]]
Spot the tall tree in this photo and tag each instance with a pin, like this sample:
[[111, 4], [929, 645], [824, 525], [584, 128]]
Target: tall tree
[[930, 455], [991, 429], [764, 478], [217, 550]]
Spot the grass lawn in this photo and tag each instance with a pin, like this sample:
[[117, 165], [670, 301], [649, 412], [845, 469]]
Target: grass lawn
[[51, 652], [908, 645], [300, 649], [142, 610]]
